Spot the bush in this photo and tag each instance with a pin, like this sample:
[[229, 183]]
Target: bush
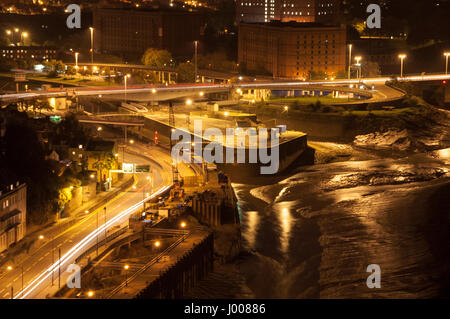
[[52, 74]]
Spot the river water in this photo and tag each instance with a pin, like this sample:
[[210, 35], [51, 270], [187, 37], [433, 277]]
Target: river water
[[313, 233]]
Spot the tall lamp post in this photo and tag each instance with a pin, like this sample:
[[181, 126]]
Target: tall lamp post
[[76, 60], [16, 30], [23, 36], [195, 60], [446, 54], [8, 33], [349, 59], [358, 64], [125, 81], [92, 44], [401, 57]]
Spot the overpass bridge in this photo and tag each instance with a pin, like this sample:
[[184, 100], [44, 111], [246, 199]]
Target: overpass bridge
[[112, 119], [148, 93]]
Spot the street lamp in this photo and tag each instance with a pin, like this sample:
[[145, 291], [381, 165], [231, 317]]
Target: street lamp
[[349, 59], [9, 268], [90, 293], [195, 60], [126, 267], [125, 79], [23, 36], [358, 59], [446, 54], [8, 33], [401, 57], [92, 44]]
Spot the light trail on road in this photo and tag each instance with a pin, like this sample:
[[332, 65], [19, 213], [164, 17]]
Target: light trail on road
[[71, 254]]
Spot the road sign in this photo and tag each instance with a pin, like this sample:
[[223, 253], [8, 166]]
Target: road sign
[[142, 168], [128, 168]]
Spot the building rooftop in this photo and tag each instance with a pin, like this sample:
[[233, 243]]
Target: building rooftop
[[292, 24]]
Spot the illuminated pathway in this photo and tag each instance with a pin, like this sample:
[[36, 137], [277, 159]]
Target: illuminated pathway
[[177, 91], [82, 236]]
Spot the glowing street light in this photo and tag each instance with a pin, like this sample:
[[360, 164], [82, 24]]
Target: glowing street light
[[446, 54], [41, 236], [157, 243], [8, 33], [188, 102], [9, 268], [183, 224], [358, 63], [201, 93], [125, 80], [92, 44], [401, 57], [131, 141], [126, 267], [90, 293], [349, 59], [76, 60], [195, 60], [23, 36]]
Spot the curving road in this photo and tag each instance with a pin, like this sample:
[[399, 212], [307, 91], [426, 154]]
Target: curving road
[[37, 269]]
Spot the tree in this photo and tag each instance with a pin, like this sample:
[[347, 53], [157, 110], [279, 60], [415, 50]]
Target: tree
[[316, 75], [186, 72], [216, 61], [71, 70], [157, 58], [105, 161], [54, 65], [25, 158], [370, 69]]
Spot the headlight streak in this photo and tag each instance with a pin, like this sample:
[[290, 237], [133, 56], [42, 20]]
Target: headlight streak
[[80, 245]]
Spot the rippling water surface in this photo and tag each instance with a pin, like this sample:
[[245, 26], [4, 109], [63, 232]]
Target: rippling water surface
[[313, 234]]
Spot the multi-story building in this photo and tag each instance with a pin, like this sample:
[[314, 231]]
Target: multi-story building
[[291, 50], [128, 32], [323, 11], [13, 214], [36, 53]]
